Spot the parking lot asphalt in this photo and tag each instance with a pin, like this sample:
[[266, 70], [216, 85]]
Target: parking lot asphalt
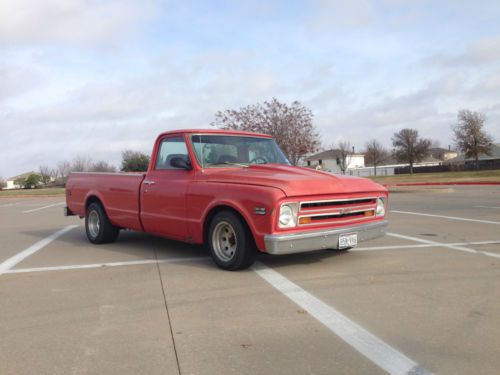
[[424, 299]]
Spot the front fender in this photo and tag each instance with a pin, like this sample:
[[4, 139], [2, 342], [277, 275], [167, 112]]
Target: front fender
[[204, 198]]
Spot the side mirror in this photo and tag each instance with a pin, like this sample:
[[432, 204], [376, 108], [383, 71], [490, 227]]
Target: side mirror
[[181, 163]]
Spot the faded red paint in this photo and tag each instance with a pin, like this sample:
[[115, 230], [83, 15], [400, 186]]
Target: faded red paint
[[178, 205]]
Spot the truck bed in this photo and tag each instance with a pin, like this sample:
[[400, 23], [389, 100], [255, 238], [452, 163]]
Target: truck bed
[[119, 193]]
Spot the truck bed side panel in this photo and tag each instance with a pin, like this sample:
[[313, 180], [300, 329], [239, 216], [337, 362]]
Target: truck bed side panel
[[118, 192]]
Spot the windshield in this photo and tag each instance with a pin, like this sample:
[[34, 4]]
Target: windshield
[[214, 150]]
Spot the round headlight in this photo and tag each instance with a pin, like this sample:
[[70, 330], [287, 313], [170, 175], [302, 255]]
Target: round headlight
[[380, 207], [286, 215]]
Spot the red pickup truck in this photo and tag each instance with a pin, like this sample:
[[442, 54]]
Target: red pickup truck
[[234, 191]]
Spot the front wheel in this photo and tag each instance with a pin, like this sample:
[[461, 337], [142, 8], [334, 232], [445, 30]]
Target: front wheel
[[97, 225], [230, 242]]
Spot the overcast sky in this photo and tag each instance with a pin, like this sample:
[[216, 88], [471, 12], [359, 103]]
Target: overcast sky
[[93, 77]]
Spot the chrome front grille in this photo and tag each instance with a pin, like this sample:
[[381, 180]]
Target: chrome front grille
[[337, 210]]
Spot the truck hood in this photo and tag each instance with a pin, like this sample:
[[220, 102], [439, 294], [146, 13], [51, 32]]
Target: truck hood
[[293, 181]]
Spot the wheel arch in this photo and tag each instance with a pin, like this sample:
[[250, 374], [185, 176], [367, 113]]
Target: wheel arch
[[219, 208], [94, 198]]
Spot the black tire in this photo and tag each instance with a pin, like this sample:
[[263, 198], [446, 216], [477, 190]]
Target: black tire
[[230, 242], [97, 225]]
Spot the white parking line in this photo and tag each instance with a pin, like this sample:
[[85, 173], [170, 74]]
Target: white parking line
[[12, 261], [433, 244], [495, 208], [7, 205], [447, 217], [442, 244], [99, 265], [44, 207], [379, 352]]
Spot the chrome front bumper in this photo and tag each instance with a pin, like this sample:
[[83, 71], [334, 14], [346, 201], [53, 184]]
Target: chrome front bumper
[[324, 239]]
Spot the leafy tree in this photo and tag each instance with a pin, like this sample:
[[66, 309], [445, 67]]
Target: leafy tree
[[32, 181], [344, 155], [291, 125], [469, 136], [408, 147], [102, 166], [134, 161], [375, 154]]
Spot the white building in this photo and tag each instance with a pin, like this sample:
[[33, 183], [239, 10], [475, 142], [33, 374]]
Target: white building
[[330, 161], [11, 181]]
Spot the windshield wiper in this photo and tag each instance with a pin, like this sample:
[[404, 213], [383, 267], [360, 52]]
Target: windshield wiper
[[230, 163]]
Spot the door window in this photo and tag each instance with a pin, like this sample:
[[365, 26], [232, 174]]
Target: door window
[[170, 148]]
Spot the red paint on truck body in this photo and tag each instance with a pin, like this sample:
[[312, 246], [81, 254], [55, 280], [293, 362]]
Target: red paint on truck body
[[179, 202]]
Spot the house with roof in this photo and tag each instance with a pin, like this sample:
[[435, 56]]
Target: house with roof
[[443, 154], [330, 161], [11, 182]]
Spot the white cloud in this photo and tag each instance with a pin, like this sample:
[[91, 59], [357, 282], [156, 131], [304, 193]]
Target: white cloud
[[18, 80], [334, 14], [481, 52], [362, 79], [70, 21]]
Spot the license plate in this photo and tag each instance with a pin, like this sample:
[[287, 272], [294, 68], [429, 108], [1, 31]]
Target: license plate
[[348, 240]]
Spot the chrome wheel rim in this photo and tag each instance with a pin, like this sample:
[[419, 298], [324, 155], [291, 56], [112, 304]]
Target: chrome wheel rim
[[224, 241], [94, 224]]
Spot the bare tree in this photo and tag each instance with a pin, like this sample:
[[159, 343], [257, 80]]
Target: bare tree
[[375, 154], [81, 164], [408, 147], [63, 171], [469, 136], [344, 155], [45, 174], [3, 184], [291, 125], [102, 166]]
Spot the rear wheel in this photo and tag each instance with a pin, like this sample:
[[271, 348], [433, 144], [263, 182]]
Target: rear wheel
[[97, 225], [230, 242]]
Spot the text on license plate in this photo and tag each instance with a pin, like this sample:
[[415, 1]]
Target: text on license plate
[[348, 240]]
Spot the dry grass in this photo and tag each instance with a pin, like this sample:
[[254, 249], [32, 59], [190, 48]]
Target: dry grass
[[49, 192], [469, 176]]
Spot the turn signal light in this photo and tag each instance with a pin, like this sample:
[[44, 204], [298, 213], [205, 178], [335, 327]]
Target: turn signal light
[[305, 220], [369, 213]]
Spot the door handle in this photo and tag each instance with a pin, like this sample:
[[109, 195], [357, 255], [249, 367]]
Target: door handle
[[148, 182]]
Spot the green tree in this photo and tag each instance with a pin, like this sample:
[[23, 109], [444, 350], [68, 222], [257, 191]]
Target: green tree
[[134, 161], [32, 181], [290, 125], [469, 136], [408, 147]]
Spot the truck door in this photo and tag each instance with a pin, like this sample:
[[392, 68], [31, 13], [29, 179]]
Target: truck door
[[163, 192]]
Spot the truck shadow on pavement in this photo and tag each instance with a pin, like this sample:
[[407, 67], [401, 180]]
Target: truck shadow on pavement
[[143, 245]]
